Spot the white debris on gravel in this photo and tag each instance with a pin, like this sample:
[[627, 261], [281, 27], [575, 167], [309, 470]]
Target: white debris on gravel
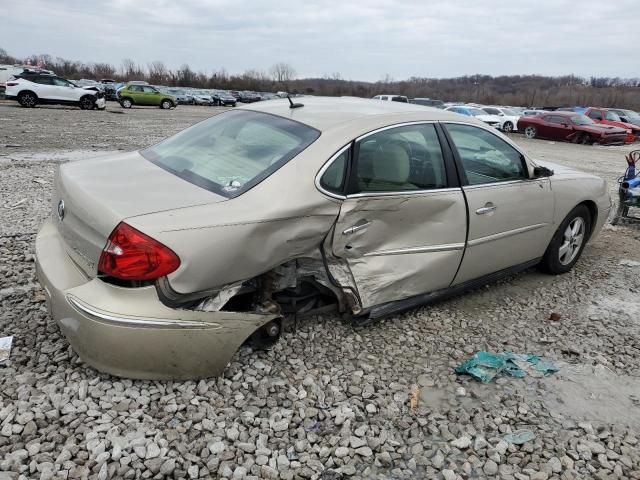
[[328, 401]]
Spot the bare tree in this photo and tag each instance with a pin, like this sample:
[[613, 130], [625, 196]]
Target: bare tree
[[158, 72], [282, 72]]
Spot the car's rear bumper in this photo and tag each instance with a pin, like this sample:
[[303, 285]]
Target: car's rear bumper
[[128, 332]]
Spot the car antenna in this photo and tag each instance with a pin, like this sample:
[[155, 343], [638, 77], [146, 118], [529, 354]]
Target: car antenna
[[294, 105]]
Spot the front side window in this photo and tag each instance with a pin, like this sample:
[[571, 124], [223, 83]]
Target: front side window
[[231, 152], [612, 116], [485, 157], [400, 159], [149, 90], [595, 114], [59, 82]]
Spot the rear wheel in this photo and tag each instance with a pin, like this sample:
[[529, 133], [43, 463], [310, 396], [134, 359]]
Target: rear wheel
[[166, 104], [568, 242], [507, 127], [27, 99], [531, 132], [87, 103], [126, 103]]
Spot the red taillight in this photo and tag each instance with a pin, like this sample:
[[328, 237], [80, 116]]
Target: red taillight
[[131, 255]]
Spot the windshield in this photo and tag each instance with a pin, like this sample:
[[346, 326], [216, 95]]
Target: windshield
[[231, 152], [631, 114], [512, 113], [582, 120], [476, 111]]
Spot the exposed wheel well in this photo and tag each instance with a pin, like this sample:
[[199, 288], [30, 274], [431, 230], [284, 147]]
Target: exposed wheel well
[[22, 92]]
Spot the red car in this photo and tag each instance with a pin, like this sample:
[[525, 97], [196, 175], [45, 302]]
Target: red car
[[605, 116], [570, 126]]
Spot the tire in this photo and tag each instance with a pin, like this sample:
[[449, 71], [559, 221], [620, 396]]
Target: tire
[[166, 104], [585, 139], [507, 127], [530, 132], [27, 99], [126, 103], [87, 103], [568, 242]]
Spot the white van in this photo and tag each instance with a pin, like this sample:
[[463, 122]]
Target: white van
[[392, 98]]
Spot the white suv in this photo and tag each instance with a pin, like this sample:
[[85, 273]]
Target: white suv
[[31, 89], [392, 98]]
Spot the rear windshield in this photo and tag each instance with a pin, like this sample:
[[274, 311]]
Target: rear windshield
[[230, 153]]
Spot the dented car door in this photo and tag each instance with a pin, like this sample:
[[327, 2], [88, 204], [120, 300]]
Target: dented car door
[[402, 226]]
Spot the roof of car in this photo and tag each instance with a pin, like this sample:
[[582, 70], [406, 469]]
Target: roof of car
[[325, 113]]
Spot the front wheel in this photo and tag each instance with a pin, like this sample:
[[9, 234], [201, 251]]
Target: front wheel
[[585, 139], [87, 103], [568, 242], [507, 127], [530, 132]]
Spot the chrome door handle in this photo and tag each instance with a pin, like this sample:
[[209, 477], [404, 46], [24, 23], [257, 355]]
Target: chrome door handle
[[356, 228], [486, 209]]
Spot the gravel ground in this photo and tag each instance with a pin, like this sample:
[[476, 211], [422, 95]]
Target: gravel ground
[[328, 401]]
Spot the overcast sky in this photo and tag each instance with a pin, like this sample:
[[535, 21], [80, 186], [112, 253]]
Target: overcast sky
[[362, 40]]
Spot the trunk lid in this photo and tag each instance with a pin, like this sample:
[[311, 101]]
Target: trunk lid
[[91, 197]]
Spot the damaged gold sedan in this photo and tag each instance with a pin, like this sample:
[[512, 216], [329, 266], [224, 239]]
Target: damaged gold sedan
[[159, 264]]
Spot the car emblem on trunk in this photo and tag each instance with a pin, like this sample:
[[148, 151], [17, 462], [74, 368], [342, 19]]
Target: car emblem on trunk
[[61, 210]]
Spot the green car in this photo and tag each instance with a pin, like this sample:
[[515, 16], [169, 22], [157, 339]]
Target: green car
[[131, 95]]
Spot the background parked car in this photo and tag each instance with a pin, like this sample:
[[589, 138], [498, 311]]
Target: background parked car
[[249, 97], [181, 96], [492, 120], [31, 89], [145, 95], [224, 99], [627, 116], [202, 99], [427, 102], [392, 98], [508, 118], [609, 117], [570, 126]]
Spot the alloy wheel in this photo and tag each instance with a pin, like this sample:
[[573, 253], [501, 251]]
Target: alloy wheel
[[28, 100], [507, 127], [530, 132], [572, 241]]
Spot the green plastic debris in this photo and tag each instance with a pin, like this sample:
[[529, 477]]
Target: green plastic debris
[[519, 437], [485, 366]]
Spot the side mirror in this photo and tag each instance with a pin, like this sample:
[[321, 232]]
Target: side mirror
[[541, 172]]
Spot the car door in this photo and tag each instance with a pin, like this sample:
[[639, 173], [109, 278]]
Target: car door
[[510, 213], [136, 93], [402, 224], [63, 90], [151, 96], [555, 127]]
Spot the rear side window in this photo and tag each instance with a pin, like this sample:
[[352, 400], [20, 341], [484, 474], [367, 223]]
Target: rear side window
[[333, 178], [400, 159], [230, 153]]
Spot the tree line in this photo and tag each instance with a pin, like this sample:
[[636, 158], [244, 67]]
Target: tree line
[[523, 90]]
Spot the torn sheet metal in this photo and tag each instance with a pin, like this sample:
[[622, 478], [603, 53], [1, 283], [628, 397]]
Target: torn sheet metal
[[5, 348], [216, 302]]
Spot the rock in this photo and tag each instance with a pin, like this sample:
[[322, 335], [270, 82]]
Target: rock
[[341, 452], [438, 460], [449, 474], [555, 464], [490, 467], [462, 443], [167, 467], [364, 451]]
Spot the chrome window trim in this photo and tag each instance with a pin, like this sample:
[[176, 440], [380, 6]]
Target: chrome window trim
[[328, 163], [501, 235], [425, 249], [140, 322]]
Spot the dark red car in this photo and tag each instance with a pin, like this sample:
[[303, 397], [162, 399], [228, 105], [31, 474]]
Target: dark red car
[[606, 116], [570, 126]]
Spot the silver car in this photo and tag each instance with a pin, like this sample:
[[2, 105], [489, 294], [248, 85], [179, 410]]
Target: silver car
[[160, 263]]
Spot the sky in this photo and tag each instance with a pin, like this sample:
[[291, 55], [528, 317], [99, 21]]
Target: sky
[[360, 40]]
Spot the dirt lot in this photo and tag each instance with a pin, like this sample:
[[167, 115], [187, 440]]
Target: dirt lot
[[329, 401]]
